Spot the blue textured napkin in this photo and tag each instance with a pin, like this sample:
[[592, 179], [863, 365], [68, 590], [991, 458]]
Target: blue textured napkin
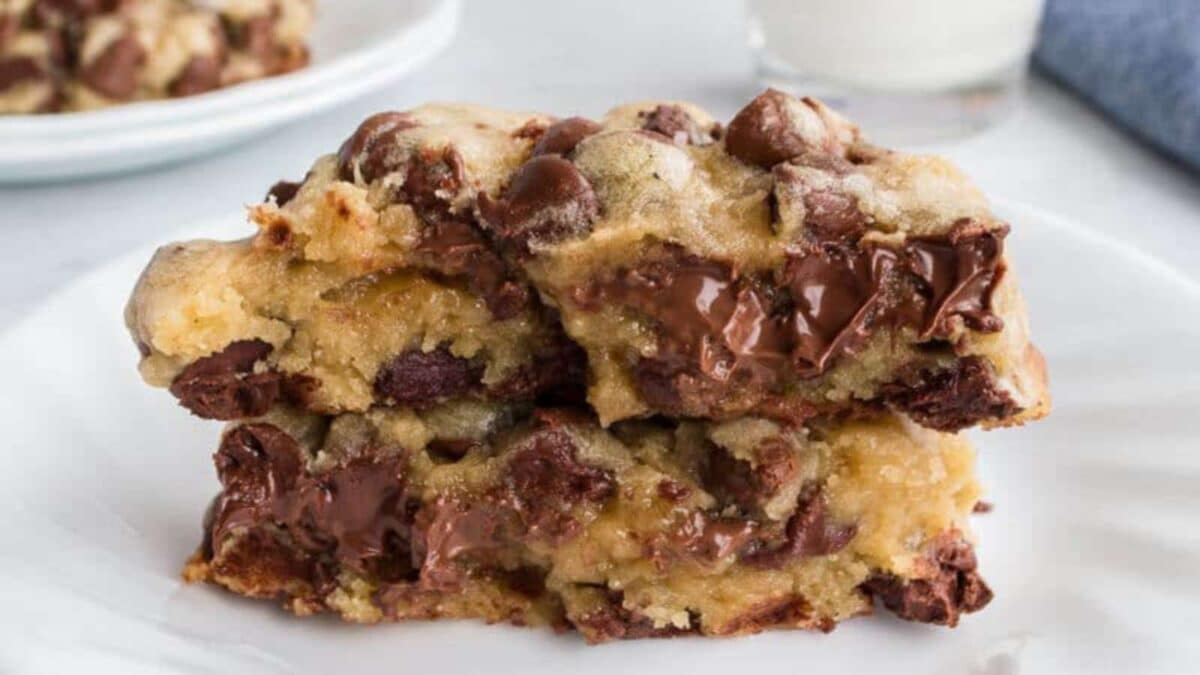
[[1137, 60]]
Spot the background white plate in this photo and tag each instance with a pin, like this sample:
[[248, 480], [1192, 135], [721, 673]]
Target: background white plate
[[358, 45], [1093, 549]]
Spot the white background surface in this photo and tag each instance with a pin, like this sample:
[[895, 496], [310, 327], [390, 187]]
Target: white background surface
[[570, 56]]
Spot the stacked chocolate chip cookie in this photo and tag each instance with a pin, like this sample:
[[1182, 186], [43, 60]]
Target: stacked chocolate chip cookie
[[643, 376], [60, 55]]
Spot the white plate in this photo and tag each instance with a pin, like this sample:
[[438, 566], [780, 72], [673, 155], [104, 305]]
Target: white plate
[[1093, 549], [358, 45]]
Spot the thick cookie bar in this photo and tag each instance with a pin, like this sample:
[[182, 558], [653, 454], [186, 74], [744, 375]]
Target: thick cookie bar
[[348, 298], [475, 510], [778, 266], [84, 54]]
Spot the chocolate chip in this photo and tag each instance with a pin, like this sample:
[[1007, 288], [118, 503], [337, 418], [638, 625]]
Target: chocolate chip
[[767, 132], [18, 69], [114, 73], [372, 148], [201, 74], [547, 201], [714, 538], [561, 137], [448, 533], [283, 192], [953, 398], [676, 124], [953, 588], [9, 27], [224, 386], [421, 379], [545, 479], [959, 271], [458, 249], [745, 485], [717, 332], [257, 463], [808, 533], [433, 179], [613, 621], [257, 37], [356, 511], [837, 291], [829, 213]]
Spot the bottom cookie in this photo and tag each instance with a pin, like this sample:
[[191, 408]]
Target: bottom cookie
[[647, 529]]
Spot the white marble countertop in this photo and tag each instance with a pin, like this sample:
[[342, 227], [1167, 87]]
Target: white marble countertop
[[576, 57]]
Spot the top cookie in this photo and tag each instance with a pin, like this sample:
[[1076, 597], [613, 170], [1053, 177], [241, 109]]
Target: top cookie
[[779, 266]]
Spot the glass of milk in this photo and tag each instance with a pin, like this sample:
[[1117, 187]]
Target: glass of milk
[[908, 71]]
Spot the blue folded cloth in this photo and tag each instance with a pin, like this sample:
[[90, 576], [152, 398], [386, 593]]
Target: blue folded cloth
[[1137, 60]]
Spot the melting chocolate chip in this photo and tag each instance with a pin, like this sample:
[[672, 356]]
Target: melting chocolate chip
[[448, 532], [561, 137], [960, 271], [837, 291], [547, 201], [713, 539], [703, 311], [950, 399], [224, 386], [419, 379], [953, 588], [371, 149], [114, 72], [356, 511]]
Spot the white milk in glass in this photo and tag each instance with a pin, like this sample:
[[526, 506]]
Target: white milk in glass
[[907, 70]]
